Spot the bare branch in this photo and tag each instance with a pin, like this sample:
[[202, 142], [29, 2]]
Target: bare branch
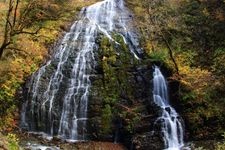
[[170, 53], [15, 12], [26, 32], [7, 24]]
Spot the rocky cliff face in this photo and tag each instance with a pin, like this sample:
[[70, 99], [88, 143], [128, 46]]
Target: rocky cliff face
[[121, 108]]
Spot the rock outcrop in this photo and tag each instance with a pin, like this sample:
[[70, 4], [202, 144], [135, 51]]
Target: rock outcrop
[[121, 107]]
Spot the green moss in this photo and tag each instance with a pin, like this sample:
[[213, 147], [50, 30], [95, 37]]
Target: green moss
[[107, 118], [160, 56], [115, 60], [132, 120]]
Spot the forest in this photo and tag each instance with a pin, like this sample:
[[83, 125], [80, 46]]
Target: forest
[[185, 38]]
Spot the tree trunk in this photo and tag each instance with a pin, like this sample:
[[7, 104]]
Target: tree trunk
[[2, 48], [170, 53]]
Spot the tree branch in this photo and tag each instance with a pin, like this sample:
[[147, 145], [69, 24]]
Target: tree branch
[[22, 19], [164, 39], [8, 23], [26, 32], [3, 47], [15, 13], [170, 52]]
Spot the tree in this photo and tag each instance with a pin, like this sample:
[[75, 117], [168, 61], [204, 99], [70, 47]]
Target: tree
[[8, 27], [29, 14], [15, 23], [162, 18], [205, 21]]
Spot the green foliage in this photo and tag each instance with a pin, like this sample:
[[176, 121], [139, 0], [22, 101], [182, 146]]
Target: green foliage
[[188, 96], [199, 148], [204, 22], [115, 60], [107, 118], [13, 142], [221, 145], [219, 62], [160, 55], [132, 122], [195, 32]]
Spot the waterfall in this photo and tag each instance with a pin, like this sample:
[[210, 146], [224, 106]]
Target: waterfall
[[171, 125], [58, 94]]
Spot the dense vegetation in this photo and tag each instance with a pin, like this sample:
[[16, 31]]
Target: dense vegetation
[[114, 90], [186, 36]]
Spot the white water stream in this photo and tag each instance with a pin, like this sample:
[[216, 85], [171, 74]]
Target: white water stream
[[171, 125]]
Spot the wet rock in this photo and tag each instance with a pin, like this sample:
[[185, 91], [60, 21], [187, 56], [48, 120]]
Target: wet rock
[[147, 141], [168, 109]]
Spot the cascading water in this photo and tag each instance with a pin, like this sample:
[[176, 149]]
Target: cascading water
[[58, 94], [171, 125]]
